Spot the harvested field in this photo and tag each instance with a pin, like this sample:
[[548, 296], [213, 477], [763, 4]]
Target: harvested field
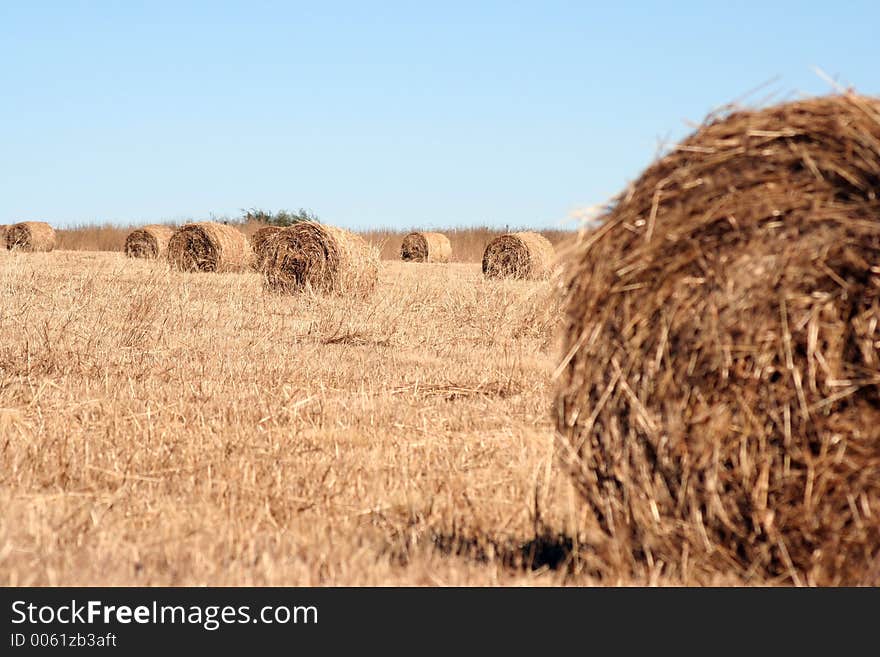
[[206, 431], [719, 401]]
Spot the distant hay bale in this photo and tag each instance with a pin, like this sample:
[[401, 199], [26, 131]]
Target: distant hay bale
[[313, 256], [148, 242], [519, 255], [426, 247], [209, 247], [719, 402], [3, 229], [259, 241], [30, 236]]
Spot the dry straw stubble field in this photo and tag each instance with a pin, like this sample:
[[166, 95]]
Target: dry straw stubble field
[[163, 427]]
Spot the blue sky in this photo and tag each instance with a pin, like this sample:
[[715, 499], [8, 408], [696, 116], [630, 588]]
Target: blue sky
[[387, 114]]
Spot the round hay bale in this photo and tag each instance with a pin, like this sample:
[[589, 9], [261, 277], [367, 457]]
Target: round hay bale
[[313, 256], [518, 255], [426, 247], [30, 236], [719, 403], [258, 244], [148, 242], [210, 247]]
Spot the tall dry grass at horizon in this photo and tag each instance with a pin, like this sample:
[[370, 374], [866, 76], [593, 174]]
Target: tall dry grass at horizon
[[171, 428], [468, 244]]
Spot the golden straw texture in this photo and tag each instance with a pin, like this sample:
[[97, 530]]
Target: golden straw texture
[[148, 242], [209, 247], [259, 241], [426, 247], [719, 400], [313, 256], [30, 236], [524, 255]]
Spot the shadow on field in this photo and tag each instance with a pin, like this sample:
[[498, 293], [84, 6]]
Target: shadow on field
[[540, 553], [544, 551]]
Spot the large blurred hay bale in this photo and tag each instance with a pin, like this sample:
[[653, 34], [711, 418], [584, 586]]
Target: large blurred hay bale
[[426, 247], [210, 247], [148, 242], [313, 256], [519, 255], [259, 240], [30, 236], [719, 402]]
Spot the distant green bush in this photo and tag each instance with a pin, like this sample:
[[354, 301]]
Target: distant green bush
[[280, 218]]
